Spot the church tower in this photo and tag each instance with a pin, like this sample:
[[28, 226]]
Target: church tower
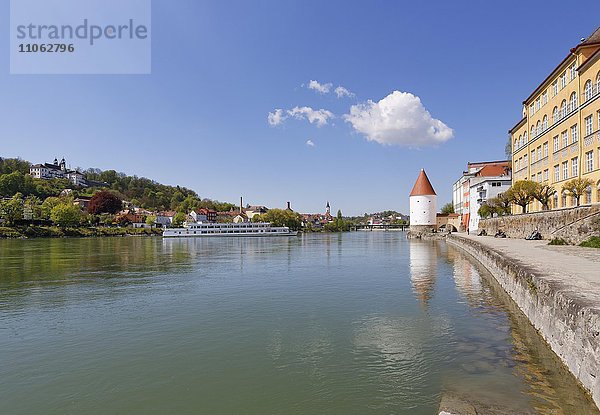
[[423, 207], [327, 209]]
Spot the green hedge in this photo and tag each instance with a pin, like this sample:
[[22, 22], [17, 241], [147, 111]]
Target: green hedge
[[56, 232]]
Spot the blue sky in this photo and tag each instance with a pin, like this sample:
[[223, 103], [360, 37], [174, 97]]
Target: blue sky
[[219, 68]]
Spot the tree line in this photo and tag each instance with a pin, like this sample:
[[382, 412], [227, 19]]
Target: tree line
[[524, 192]]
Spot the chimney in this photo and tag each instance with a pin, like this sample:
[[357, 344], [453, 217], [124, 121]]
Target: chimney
[[241, 204], [289, 205]]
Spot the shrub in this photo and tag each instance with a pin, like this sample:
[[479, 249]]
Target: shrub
[[558, 241], [592, 242]]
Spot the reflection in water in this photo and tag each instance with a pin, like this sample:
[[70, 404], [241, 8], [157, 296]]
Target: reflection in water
[[314, 324], [549, 388], [423, 269]]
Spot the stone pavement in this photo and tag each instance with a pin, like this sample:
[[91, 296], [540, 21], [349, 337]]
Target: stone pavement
[[575, 268]]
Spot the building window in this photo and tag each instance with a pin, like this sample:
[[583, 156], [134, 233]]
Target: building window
[[563, 109], [533, 156], [565, 169], [554, 88], [538, 128], [575, 166], [555, 139], [545, 123], [525, 138], [555, 115], [574, 134], [588, 89], [555, 201], [538, 104], [532, 131], [557, 173], [589, 125], [564, 138], [572, 71], [539, 152], [564, 199], [563, 80], [573, 102], [525, 160], [588, 195], [531, 110], [539, 177], [545, 149], [589, 161], [545, 98], [546, 175]]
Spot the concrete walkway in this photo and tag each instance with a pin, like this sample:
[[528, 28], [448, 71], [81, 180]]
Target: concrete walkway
[[575, 269]]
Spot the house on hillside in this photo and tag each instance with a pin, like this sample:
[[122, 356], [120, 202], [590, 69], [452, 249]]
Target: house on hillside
[[165, 218], [58, 170]]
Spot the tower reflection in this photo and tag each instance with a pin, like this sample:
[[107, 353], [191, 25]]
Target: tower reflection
[[423, 269]]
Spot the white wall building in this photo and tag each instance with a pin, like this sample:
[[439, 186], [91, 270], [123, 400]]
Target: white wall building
[[423, 202], [56, 170], [462, 195], [481, 190]]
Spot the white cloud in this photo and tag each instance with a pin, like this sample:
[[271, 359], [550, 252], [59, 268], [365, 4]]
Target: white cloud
[[341, 92], [321, 88], [310, 143], [319, 117], [398, 119], [276, 117]]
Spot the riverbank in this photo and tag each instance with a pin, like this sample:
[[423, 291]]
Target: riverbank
[[57, 232], [557, 288]]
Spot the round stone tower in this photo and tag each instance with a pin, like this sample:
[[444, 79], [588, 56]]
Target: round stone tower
[[423, 206]]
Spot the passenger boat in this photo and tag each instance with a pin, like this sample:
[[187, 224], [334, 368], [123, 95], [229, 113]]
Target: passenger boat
[[228, 229]]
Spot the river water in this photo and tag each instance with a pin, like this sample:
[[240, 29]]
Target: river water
[[356, 323]]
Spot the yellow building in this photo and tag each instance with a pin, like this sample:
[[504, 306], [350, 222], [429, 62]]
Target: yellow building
[[558, 138]]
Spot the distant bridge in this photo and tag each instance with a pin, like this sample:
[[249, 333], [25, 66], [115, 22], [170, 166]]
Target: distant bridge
[[381, 227]]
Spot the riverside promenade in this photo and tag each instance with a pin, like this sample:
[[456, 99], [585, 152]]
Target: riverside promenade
[[557, 288]]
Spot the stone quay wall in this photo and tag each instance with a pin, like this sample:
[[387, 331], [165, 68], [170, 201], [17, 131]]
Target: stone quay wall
[[570, 327], [574, 225]]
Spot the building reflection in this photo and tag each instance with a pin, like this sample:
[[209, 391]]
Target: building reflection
[[465, 276], [423, 269]]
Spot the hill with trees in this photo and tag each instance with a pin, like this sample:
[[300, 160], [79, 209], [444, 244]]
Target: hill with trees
[[139, 191]]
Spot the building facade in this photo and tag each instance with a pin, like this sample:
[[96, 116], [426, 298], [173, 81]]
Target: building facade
[[558, 137], [482, 189], [480, 182]]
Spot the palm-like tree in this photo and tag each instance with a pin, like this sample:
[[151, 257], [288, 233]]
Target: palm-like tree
[[577, 188], [543, 193]]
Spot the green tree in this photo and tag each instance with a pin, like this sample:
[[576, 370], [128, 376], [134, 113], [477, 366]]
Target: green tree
[[508, 148], [283, 217], [150, 220], [11, 183], [502, 203], [11, 210], [32, 207], [543, 193], [577, 188], [178, 220], [521, 193], [448, 208], [48, 205], [486, 210], [66, 215], [11, 165]]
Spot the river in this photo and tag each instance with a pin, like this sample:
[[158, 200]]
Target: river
[[355, 323]]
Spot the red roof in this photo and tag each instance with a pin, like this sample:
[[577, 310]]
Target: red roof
[[422, 186]]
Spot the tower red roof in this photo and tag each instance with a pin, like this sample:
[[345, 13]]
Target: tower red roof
[[422, 186]]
